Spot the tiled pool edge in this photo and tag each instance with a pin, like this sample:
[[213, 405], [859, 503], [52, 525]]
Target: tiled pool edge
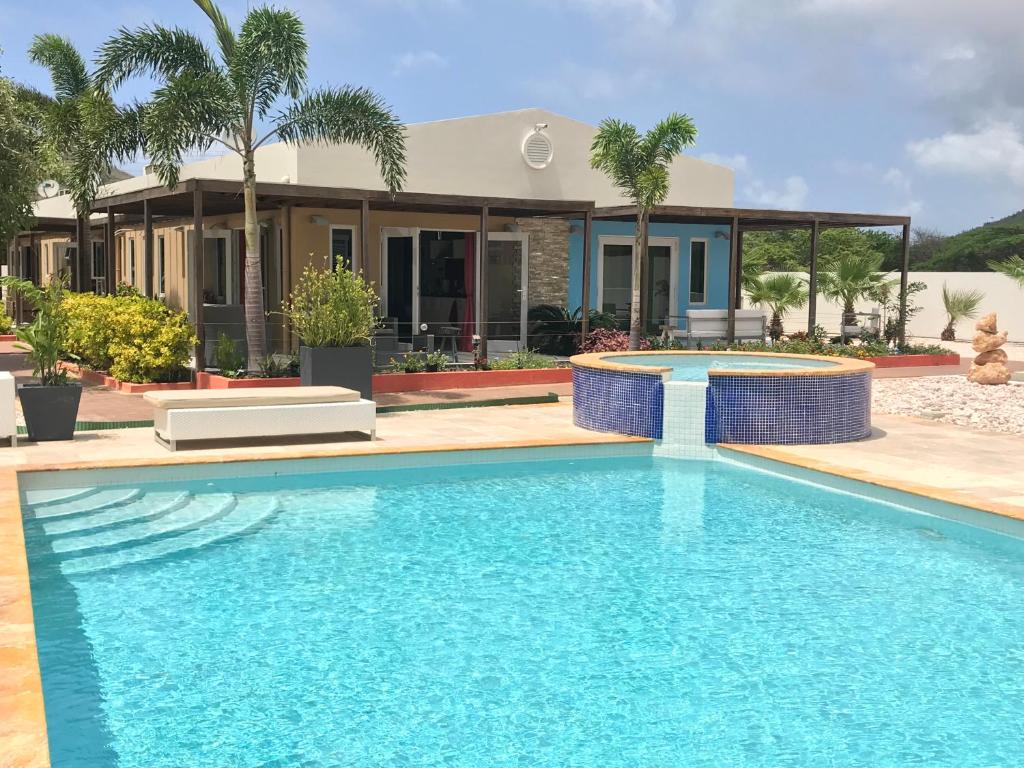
[[23, 739], [778, 455]]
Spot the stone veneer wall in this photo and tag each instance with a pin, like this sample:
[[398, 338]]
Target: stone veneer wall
[[549, 260]]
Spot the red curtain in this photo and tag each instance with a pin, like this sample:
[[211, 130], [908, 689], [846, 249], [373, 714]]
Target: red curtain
[[469, 275]]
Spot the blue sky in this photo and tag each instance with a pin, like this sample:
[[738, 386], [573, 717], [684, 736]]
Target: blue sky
[[894, 106]]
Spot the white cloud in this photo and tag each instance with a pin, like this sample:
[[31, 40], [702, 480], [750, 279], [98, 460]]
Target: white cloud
[[414, 61], [574, 83], [792, 195], [992, 150], [737, 162]]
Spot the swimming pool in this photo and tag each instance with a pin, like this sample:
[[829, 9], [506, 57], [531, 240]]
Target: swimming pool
[[695, 367], [592, 612]]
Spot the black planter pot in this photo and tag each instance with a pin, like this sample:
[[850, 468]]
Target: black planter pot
[[350, 367], [50, 412]]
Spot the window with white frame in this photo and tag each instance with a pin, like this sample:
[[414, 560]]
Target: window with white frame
[[698, 272], [341, 247], [131, 261]]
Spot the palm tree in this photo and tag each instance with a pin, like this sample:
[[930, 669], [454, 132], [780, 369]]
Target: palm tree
[[204, 100], [1013, 268], [85, 130], [850, 275], [638, 166], [960, 305], [780, 293]]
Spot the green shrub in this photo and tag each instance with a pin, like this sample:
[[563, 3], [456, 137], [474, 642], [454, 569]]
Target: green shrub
[[227, 358], [6, 325], [131, 337], [331, 308], [524, 358], [436, 361]]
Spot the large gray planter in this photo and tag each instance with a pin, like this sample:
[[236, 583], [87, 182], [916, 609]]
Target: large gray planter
[[50, 412], [350, 367]]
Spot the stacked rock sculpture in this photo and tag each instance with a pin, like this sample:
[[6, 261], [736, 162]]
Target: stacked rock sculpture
[[989, 367]]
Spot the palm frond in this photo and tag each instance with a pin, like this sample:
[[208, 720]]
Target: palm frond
[[188, 112], [151, 50], [779, 292], [1013, 268], [270, 57], [221, 27], [67, 68], [668, 138], [349, 115], [961, 304]]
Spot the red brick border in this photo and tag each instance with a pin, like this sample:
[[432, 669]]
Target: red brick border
[[412, 382], [910, 361]]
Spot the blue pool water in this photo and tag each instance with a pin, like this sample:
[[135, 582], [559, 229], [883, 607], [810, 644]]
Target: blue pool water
[[696, 367], [626, 612]]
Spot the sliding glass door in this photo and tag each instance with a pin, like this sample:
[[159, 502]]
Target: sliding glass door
[[615, 280], [506, 290]]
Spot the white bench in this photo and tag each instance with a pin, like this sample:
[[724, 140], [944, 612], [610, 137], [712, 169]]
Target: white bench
[[218, 414], [8, 420], [713, 324]]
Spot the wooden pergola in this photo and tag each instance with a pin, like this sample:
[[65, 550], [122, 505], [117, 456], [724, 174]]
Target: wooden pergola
[[740, 220], [200, 198]]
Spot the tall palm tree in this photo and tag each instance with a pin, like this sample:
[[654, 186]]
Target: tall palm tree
[[204, 100], [959, 305], [780, 293], [1013, 268], [85, 129], [638, 166], [849, 275]]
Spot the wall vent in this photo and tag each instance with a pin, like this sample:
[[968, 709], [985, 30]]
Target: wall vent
[[537, 149]]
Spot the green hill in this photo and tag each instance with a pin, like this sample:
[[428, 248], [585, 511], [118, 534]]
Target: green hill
[[970, 250]]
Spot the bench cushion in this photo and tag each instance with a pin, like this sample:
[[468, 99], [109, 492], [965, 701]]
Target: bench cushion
[[249, 398]]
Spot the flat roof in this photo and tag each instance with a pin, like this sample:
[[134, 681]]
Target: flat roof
[[222, 196], [753, 218]]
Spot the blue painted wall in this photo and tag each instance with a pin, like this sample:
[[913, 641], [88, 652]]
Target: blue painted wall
[[718, 260]]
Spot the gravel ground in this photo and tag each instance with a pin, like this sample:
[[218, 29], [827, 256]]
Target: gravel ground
[[953, 400]]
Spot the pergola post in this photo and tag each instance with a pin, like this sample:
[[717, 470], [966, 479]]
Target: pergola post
[[812, 282], [738, 298], [904, 277], [109, 255], [286, 268], [195, 273], [588, 224], [730, 323], [481, 322], [364, 237], [77, 272], [150, 287]]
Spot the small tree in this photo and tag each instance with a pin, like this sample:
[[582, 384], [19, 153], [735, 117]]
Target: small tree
[[960, 305], [849, 276], [780, 293], [638, 166], [204, 100], [331, 308], [1013, 268]]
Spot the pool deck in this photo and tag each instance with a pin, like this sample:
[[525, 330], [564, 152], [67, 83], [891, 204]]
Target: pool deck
[[935, 460]]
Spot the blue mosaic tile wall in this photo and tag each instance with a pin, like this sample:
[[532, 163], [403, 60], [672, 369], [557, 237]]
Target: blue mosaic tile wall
[[782, 410], [612, 401]]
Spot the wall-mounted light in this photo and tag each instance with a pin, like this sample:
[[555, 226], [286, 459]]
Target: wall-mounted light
[[512, 227], [575, 229], [318, 220], [720, 235]]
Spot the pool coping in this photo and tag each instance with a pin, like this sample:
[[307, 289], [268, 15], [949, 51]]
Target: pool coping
[[839, 365]]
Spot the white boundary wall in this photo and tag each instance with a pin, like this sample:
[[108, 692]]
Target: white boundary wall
[[1002, 296]]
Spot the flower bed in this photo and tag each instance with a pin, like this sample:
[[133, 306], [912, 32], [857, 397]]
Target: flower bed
[[909, 361], [98, 378], [412, 382]]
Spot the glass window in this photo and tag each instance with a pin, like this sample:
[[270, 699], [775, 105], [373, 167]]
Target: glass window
[[617, 281], [659, 287], [341, 248], [131, 261], [698, 271], [99, 263], [161, 265]]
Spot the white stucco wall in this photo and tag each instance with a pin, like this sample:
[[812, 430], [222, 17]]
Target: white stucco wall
[[1002, 296]]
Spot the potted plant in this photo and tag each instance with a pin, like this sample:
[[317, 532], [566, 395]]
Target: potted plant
[[333, 314], [51, 406]]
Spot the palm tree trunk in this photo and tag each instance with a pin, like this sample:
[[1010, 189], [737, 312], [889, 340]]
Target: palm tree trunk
[[639, 255], [775, 330], [255, 316]]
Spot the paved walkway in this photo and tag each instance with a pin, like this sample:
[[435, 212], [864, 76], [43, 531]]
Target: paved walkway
[[949, 462]]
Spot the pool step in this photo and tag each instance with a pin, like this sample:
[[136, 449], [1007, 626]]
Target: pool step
[[197, 512], [44, 496], [147, 507], [92, 502], [247, 514]]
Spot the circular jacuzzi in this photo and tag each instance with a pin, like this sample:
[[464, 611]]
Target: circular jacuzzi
[[742, 397]]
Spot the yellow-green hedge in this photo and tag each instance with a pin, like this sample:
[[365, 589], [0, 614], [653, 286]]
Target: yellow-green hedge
[[130, 337]]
